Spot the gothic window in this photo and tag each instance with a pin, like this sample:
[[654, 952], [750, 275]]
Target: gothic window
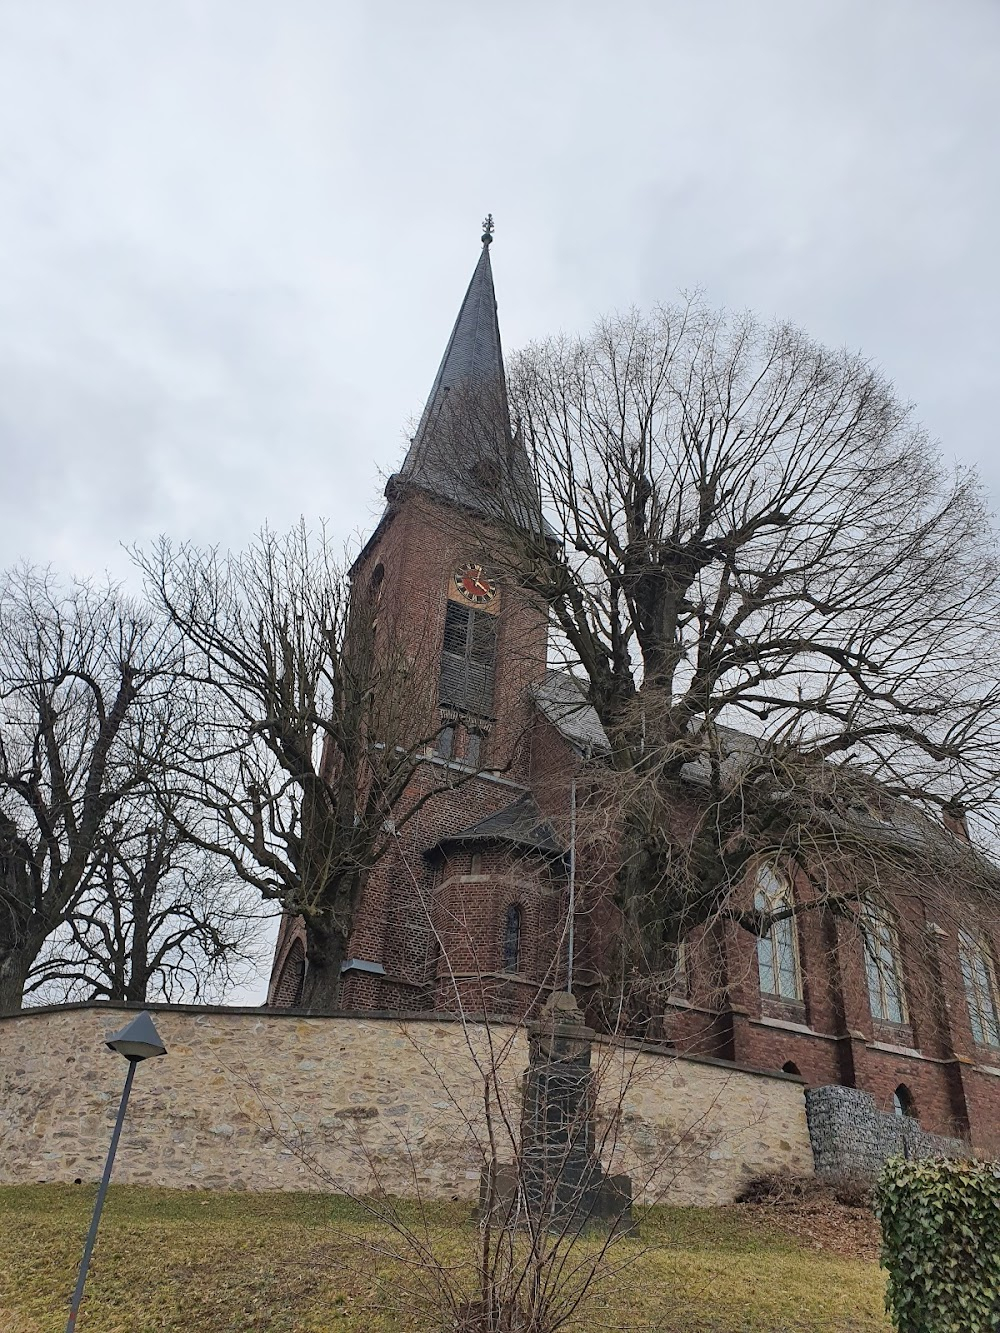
[[777, 949], [375, 586], [476, 864], [882, 970], [473, 748], [466, 681], [512, 940], [903, 1104], [979, 976], [676, 970]]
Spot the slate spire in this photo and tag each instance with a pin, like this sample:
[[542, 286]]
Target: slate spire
[[463, 450]]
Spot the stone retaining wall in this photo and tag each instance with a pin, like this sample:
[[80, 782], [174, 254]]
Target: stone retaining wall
[[257, 1100], [850, 1136]]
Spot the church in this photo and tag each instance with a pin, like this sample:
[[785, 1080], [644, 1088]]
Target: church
[[500, 891]]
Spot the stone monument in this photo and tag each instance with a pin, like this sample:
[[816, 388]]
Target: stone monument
[[558, 1180]]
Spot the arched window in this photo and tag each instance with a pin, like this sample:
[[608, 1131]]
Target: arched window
[[512, 939], [677, 970], [777, 949], [473, 748], [375, 586], [903, 1104], [288, 991], [979, 976], [882, 970]]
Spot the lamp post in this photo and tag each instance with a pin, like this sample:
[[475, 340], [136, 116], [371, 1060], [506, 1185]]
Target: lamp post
[[138, 1040]]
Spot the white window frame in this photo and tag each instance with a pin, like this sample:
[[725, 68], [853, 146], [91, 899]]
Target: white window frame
[[883, 968], [975, 956]]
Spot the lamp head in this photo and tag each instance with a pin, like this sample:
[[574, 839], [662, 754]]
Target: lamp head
[[138, 1040]]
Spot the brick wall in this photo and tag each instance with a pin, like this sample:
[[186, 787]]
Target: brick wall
[[243, 1094]]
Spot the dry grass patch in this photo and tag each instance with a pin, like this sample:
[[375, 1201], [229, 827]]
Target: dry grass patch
[[186, 1262]]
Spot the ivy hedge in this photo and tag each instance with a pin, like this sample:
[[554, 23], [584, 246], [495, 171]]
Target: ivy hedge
[[940, 1225]]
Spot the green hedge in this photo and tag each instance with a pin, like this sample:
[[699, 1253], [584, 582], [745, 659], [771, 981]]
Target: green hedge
[[941, 1245]]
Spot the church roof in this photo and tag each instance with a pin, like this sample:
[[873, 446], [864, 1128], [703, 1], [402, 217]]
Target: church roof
[[464, 451], [472, 358], [561, 698], [521, 823]]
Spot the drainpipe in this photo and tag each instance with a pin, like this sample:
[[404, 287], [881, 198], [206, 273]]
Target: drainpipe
[[572, 885]]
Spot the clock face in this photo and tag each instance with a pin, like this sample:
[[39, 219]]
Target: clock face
[[474, 585]]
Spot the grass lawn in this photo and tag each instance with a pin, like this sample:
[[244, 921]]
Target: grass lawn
[[236, 1263]]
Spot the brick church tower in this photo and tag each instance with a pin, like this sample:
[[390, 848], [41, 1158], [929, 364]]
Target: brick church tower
[[469, 905]]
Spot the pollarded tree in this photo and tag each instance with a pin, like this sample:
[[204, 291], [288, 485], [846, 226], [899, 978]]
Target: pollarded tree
[[306, 725], [782, 605], [84, 679]]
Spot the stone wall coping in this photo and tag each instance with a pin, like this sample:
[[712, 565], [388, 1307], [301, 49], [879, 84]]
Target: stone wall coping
[[786, 1025], [664, 1048], [260, 1011], [487, 775], [910, 1052], [382, 1016]]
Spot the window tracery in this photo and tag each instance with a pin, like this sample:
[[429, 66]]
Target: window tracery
[[883, 973], [979, 978], [777, 949]]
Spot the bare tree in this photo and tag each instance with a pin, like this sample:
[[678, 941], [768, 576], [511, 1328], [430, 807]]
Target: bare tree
[[84, 674], [549, 1120], [780, 603], [308, 719], [154, 918]]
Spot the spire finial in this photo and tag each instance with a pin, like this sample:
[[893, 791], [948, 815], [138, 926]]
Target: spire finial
[[488, 229]]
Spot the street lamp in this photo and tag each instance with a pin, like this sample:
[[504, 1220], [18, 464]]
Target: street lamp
[[138, 1040]]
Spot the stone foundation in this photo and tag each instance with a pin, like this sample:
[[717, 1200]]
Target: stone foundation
[[259, 1100]]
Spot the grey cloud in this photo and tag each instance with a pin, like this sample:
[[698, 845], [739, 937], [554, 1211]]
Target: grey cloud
[[233, 237]]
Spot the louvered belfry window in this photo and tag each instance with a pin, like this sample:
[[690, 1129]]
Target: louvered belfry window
[[467, 660]]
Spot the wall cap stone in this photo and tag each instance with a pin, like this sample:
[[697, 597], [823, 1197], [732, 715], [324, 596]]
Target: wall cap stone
[[384, 1016]]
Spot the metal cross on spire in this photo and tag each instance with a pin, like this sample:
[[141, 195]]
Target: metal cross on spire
[[488, 229]]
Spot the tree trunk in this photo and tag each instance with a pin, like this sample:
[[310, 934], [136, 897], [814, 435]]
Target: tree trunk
[[15, 963], [137, 986], [326, 949], [137, 980]]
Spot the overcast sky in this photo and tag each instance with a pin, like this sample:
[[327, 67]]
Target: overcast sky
[[234, 234]]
